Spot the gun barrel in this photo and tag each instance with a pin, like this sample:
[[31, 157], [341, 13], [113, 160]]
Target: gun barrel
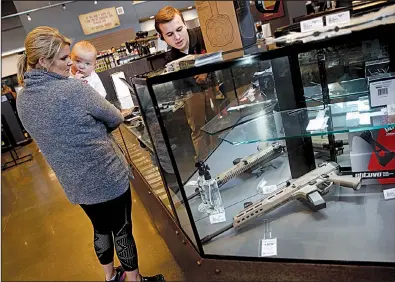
[[208, 238]]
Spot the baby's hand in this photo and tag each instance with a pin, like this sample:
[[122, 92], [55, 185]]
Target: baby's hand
[[79, 75]]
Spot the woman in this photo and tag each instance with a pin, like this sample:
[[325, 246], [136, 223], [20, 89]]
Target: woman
[[71, 125]]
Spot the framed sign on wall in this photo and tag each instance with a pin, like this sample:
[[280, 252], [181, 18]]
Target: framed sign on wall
[[271, 16], [99, 20]]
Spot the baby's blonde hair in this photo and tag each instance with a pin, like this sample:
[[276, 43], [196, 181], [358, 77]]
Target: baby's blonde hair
[[42, 42], [84, 46]]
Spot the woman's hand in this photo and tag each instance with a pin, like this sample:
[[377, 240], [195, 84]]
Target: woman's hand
[[126, 112]]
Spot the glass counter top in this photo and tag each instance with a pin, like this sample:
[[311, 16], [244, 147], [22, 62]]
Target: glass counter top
[[344, 117]]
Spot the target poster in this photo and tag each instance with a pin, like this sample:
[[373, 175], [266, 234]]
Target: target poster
[[219, 26]]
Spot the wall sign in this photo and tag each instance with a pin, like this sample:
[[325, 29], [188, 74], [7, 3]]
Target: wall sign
[[99, 20], [271, 16]]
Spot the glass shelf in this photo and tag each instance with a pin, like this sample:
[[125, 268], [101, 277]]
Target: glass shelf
[[344, 117], [355, 87], [235, 114]]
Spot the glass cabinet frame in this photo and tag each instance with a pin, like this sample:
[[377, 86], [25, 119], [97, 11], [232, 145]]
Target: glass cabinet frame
[[290, 97]]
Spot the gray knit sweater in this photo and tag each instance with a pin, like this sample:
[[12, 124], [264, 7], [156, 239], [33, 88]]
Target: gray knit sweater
[[70, 123]]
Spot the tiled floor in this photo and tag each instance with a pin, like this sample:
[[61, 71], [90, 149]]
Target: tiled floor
[[44, 237]]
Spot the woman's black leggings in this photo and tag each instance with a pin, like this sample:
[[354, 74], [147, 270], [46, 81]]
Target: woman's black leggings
[[112, 224]]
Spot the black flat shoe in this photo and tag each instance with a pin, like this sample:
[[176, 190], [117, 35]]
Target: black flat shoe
[[119, 274], [158, 277]]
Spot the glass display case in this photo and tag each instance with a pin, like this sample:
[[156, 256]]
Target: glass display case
[[240, 147]]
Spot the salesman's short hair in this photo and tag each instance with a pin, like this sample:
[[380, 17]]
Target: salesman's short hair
[[165, 15]]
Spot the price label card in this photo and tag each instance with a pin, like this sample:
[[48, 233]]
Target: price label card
[[192, 183], [382, 93], [321, 114], [391, 109], [3, 98], [269, 189], [334, 19], [317, 124], [311, 25], [269, 247], [217, 218], [364, 118], [389, 194], [363, 106], [352, 115]]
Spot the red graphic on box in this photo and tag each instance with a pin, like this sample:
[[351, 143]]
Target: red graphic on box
[[383, 155]]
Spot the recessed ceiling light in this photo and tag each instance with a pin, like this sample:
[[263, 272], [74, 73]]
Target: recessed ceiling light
[[64, 7], [190, 7], [95, 2], [28, 17], [151, 17]]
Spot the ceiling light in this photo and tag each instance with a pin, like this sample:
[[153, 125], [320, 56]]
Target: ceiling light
[[190, 7], [64, 7], [95, 2], [28, 17], [151, 17]]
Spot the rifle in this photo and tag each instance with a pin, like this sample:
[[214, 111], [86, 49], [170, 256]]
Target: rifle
[[250, 162], [309, 188]]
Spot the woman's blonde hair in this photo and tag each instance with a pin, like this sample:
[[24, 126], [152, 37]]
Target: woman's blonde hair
[[42, 42]]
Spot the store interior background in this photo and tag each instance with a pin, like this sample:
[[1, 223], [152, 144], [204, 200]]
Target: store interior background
[[136, 17]]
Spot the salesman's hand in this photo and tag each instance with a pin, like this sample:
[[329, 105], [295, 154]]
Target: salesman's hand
[[201, 78]]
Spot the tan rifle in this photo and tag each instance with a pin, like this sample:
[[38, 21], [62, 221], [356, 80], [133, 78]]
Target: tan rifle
[[309, 188]]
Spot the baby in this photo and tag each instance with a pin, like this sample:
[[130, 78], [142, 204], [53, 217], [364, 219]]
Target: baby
[[83, 56]]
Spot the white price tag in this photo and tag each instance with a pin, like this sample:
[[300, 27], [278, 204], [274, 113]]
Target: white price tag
[[363, 106], [192, 183], [352, 115], [311, 25], [364, 118], [389, 194], [269, 189], [261, 184], [334, 19], [3, 98], [269, 247], [317, 124], [321, 114], [382, 93], [217, 218]]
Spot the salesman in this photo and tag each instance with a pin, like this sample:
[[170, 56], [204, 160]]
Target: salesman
[[199, 109]]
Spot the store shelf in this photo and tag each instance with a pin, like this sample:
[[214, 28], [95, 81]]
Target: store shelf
[[344, 117]]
